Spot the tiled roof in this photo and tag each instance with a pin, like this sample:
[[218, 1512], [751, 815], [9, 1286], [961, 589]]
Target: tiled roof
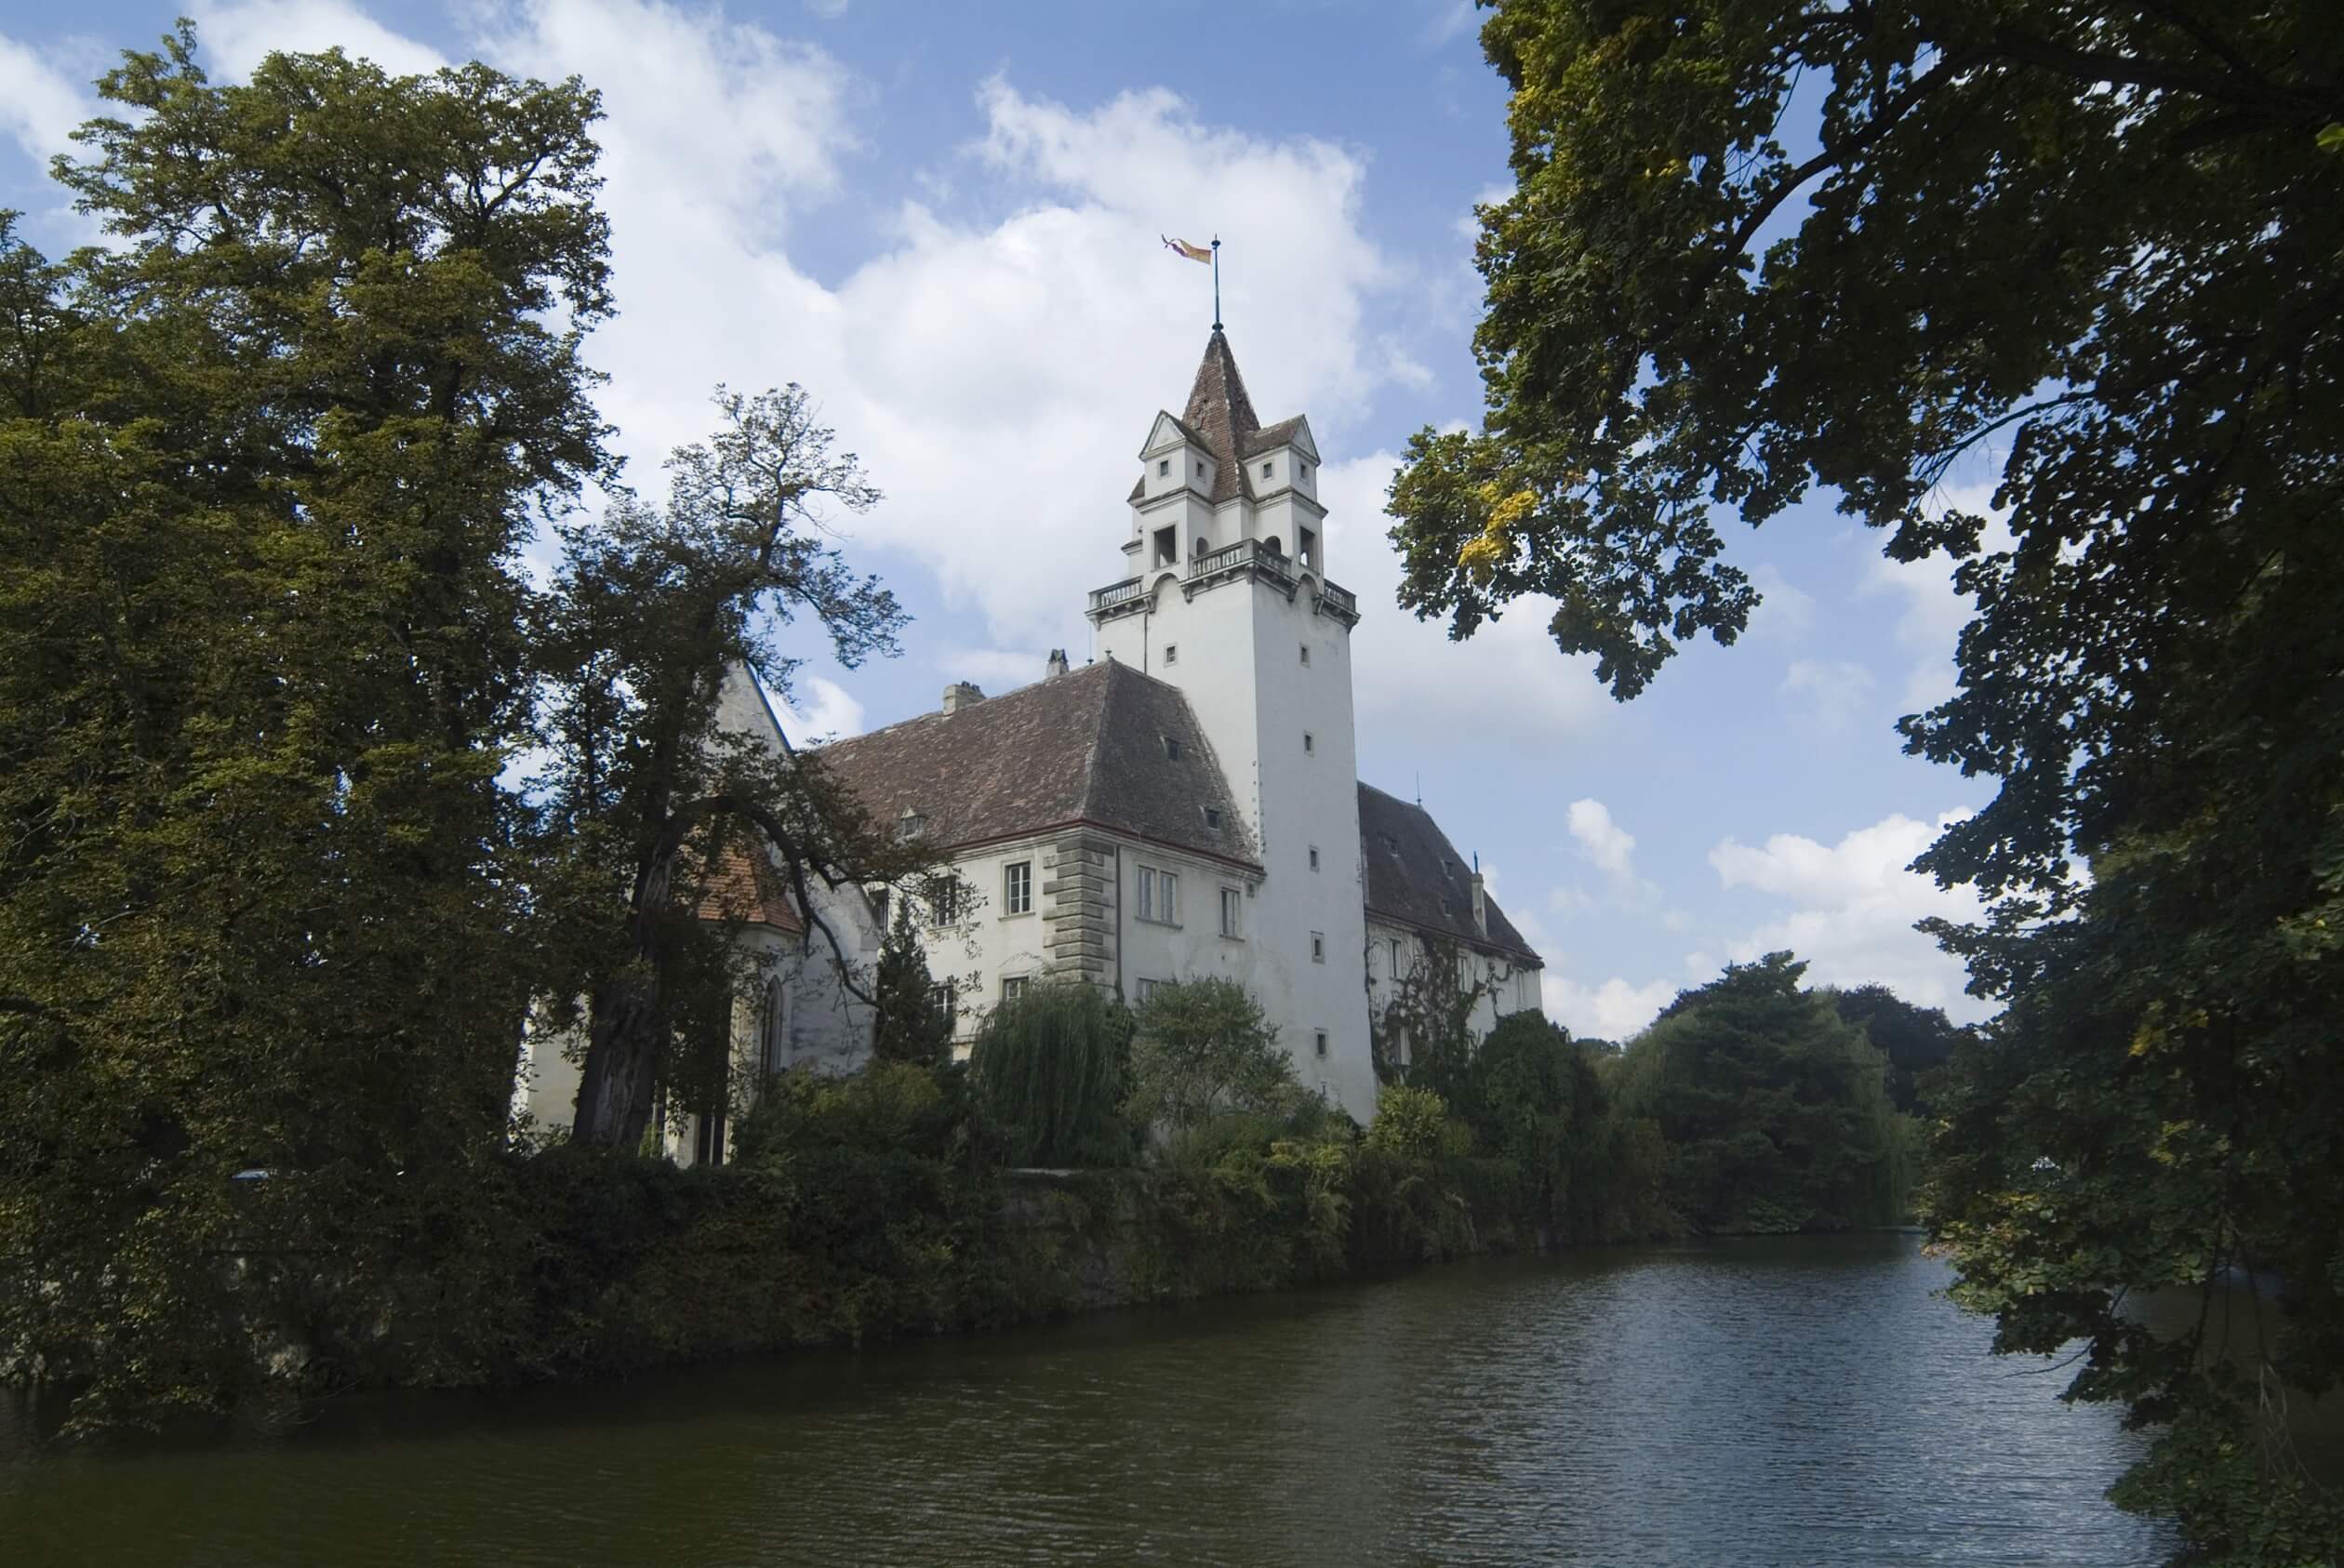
[[1280, 434], [1415, 877], [1088, 745], [743, 886], [1222, 418]]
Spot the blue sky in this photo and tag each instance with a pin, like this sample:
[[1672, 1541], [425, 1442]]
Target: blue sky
[[942, 220]]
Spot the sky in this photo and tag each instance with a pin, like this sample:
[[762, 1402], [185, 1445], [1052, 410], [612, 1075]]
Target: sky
[[944, 221]]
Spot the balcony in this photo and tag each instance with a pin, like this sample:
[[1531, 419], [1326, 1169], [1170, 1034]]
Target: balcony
[[1248, 559]]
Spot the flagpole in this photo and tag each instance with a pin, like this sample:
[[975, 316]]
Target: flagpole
[[1217, 324]]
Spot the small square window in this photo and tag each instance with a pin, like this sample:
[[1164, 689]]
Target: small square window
[[1171, 749], [1212, 817], [1305, 653], [1268, 469], [1164, 466], [1310, 741], [1017, 887], [1171, 652], [1318, 947], [1320, 1041], [1315, 858], [1012, 987], [1147, 990]]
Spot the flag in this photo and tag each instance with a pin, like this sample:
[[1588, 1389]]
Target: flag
[[1193, 252]]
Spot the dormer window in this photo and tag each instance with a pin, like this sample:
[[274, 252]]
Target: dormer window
[[1200, 468], [1212, 817], [1171, 749], [1268, 469], [1164, 466]]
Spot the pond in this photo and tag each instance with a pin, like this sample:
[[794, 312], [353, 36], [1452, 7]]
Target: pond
[[1798, 1401]]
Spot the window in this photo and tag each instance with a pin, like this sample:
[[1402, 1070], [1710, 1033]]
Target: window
[[1318, 947], [1159, 896], [1319, 1039], [1163, 466], [943, 901], [773, 1023], [1301, 469], [1171, 652], [1315, 858], [945, 994], [1212, 817], [1147, 990], [1305, 653], [1232, 904], [1017, 887], [1171, 749], [1200, 468], [1306, 547], [1012, 987], [1168, 546], [1310, 741], [1395, 958], [1268, 469]]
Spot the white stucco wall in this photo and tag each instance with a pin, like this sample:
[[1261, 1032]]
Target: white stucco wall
[[1511, 988]]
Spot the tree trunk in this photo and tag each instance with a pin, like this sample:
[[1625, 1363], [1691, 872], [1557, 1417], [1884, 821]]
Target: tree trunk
[[622, 1069]]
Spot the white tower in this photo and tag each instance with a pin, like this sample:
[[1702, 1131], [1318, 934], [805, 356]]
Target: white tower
[[1227, 598]]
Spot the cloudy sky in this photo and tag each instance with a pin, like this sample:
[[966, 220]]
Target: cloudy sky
[[944, 221]]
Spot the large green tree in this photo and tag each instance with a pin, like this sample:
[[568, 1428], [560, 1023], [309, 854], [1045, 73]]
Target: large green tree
[[1759, 251], [266, 461]]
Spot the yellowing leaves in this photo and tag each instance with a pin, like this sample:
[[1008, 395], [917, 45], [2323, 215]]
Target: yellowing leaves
[[1482, 556]]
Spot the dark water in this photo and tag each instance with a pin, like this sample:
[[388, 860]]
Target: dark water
[[1797, 1401]]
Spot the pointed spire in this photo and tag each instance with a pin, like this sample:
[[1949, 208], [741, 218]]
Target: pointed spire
[[1219, 411]]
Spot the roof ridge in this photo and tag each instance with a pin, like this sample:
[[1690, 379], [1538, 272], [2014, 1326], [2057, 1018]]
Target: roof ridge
[[1010, 696]]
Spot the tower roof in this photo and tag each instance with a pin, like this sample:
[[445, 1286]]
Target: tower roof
[[1222, 417]]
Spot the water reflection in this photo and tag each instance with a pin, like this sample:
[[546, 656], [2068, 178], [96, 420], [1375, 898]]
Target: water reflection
[[1793, 1401]]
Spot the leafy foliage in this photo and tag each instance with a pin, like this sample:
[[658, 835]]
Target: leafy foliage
[[1053, 1065], [2097, 247], [1775, 1112], [910, 1021], [1918, 1042], [265, 467], [1205, 1047]]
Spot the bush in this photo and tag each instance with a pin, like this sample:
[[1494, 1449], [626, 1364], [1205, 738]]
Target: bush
[[1414, 1125], [1203, 1048], [1052, 1068]]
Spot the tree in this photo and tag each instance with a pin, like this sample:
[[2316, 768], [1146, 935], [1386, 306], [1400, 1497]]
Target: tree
[[911, 1022], [654, 609], [2097, 246], [265, 467], [1205, 1047], [1424, 1035], [1052, 1066], [1917, 1040], [1776, 1112]]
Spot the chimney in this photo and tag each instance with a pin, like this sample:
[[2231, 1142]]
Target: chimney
[[1481, 902], [960, 695], [1057, 664]]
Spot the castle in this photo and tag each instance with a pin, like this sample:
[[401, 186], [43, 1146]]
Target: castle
[[1185, 805]]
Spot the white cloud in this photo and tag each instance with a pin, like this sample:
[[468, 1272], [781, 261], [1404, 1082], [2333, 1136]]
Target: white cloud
[[1853, 905], [1604, 842], [824, 711], [1785, 610], [1506, 685], [1930, 623], [237, 36], [1832, 693], [1613, 1010], [39, 104]]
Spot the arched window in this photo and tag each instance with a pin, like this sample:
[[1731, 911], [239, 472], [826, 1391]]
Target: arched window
[[773, 1028], [1274, 545]]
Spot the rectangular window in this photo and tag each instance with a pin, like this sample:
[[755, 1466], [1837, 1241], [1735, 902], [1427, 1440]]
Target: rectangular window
[[1159, 896], [1164, 466], [944, 994], [1320, 1040], [1212, 817], [1395, 958], [1171, 652], [1232, 904], [943, 903], [1148, 988], [1305, 653], [1171, 747], [1318, 947], [1310, 741], [1017, 887], [1315, 858], [1268, 469], [1012, 987]]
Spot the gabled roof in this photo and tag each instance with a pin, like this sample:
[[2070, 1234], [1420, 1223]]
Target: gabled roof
[[1283, 434], [1088, 745], [1415, 877], [744, 886]]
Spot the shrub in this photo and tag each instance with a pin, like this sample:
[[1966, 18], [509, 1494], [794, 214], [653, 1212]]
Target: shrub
[[1203, 1048], [1052, 1068], [1415, 1124]]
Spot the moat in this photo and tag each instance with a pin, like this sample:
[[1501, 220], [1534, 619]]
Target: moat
[[1793, 1401]]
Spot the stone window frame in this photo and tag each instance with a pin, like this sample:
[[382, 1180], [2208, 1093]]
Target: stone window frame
[[1017, 888]]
